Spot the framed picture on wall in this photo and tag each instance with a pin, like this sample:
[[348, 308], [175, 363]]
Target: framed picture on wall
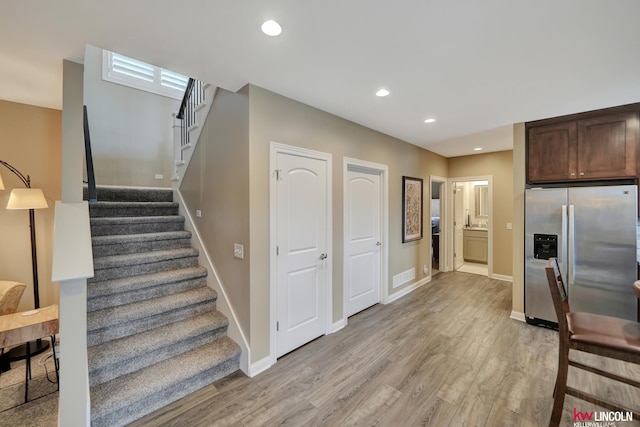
[[411, 209]]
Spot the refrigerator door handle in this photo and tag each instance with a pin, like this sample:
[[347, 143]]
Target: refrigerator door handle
[[571, 267], [562, 256]]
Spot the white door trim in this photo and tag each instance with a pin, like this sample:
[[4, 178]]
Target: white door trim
[[492, 225], [444, 221], [275, 149], [383, 170]]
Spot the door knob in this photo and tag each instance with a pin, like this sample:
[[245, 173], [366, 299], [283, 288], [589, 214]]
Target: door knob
[[323, 256], [378, 244]]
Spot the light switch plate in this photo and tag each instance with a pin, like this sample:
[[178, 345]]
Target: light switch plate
[[198, 213], [159, 176], [509, 226], [238, 250]]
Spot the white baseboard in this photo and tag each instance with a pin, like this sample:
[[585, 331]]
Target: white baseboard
[[502, 277], [339, 325], [260, 366], [518, 315], [412, 287]]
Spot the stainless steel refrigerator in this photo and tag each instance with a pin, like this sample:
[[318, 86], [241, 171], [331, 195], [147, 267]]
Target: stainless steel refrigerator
[[592, 231]]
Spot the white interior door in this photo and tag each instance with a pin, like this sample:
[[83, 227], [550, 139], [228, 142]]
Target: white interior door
[[363, 248], [302, 236], [458, 224]]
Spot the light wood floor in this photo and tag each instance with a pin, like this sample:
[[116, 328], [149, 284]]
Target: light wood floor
[[444, 355]]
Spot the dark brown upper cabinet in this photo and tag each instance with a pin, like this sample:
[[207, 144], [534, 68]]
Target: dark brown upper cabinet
[[552, 152], [595, 145]]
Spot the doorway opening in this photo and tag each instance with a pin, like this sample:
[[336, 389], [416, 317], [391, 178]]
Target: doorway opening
[[438, 205], [472, 225]]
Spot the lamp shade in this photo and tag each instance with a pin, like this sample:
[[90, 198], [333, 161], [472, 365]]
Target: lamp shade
[[1, 183], [27, 198]]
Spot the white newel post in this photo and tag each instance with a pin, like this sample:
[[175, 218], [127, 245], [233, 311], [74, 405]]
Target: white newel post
[[72, 258]]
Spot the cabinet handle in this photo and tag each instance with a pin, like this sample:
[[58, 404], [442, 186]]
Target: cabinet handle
[[581, 173], [573, 174]]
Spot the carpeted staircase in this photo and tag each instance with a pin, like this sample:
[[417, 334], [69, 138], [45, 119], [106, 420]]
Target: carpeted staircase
[[153, 331]]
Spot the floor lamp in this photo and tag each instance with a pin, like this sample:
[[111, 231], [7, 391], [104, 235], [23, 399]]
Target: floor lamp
[[31, 199]]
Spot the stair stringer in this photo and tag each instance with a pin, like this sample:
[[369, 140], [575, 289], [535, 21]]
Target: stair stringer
[[234, 331]]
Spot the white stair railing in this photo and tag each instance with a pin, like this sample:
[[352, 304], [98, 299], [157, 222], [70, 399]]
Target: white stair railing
[[193, 111]]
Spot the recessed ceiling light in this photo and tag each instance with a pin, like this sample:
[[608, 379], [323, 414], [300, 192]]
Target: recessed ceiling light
[[477, 149], [271, 28], [431, 120], [382, 92]]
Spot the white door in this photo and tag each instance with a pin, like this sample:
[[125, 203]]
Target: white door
[[458, 224], [302, 236], [363, 254]]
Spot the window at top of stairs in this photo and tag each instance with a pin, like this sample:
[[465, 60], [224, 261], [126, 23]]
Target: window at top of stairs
[[131, 72]]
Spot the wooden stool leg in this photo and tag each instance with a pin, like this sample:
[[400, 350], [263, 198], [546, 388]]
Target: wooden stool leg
[[27, 373], [561, 385]]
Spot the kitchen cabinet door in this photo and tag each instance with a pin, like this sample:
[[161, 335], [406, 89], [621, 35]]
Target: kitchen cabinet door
[[551, 152], [607, 146]]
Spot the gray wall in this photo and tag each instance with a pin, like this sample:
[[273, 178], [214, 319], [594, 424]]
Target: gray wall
[[279, 119], [131, 130], [217, 183]]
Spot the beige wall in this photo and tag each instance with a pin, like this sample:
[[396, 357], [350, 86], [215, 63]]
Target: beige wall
[[279, 119], [217, 183], [131, 129], [31, 142], [500, 166], [518, 217]]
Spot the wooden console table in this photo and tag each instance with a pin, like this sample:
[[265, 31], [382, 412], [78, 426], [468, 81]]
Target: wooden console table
[[17, 328]]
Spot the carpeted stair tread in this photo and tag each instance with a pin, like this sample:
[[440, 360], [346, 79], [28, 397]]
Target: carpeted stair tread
[[114, 266], [136, 243], [143, 237], [127, 290], [115, 220], [142, 258], [129, 397], [125, 284], [118, 209], [135, 224], [105, 318], [124, 355], [131, 194]]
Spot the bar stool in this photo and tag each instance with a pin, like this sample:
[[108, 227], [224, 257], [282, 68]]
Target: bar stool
[[590, 333]]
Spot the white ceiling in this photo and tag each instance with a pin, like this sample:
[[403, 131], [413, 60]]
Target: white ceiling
[[476, 66]]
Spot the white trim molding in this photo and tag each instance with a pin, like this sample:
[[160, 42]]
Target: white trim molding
[[501, 277], [518, 315], [340, 324], [407, 290], [260, 366], [450, 219]]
